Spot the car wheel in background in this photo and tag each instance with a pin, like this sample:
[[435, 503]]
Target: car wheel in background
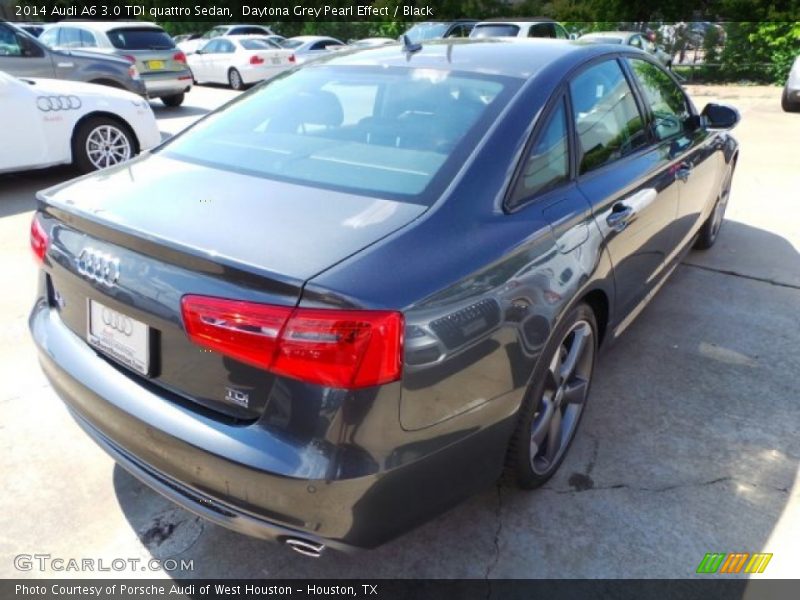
[[235, 80], [101, 142], [174, 100], [710, 229], [786, 104], [554, 402]]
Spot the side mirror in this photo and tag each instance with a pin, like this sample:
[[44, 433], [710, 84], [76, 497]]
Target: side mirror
[[573, 36], [720, 116], [198, 51]]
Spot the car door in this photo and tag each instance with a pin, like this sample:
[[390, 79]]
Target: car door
[[21, 123], [201, 59], [626, 177], [22, 56], [694, 159], [220, 61]]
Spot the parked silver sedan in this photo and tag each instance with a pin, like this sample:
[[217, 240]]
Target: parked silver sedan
[[790, 101], [630, 38]]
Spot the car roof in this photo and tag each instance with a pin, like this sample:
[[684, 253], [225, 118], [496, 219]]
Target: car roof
[[512, 57], [520, 20], [109, 25], [612, 33]]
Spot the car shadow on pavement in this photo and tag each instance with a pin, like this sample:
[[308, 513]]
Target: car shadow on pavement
[[179, 112], [18, 190], [689, 445]]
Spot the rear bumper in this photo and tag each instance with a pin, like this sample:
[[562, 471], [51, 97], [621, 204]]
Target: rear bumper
[[254, 73], [245, 477], [167, 84]]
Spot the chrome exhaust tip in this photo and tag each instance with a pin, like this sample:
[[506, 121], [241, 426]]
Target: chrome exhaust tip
[[305, 547]]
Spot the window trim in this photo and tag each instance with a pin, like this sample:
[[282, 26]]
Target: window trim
[[648, 109], [560, 96], [638, 100]]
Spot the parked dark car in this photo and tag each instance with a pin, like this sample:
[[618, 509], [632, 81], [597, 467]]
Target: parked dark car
[[22, 55], [359, 292]]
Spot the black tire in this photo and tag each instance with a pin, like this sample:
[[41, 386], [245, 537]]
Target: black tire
[[235, 80], [92, 127], [173, 101], [786, 104], [709, 232], [521, 460]]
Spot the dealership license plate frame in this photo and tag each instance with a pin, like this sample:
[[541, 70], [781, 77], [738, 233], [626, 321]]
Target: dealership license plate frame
[[114, 343]]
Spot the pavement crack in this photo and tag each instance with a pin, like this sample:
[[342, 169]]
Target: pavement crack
[[497, 532], [665, 488], [742, 275]]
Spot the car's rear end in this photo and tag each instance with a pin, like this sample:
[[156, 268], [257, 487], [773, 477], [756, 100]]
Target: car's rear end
[[258, 59], [161, 64], [172, 316]]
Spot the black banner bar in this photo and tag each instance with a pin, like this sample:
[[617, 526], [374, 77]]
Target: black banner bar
[[706, 588]]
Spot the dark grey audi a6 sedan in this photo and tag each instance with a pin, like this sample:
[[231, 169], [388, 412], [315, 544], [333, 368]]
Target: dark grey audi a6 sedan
[[356, 294]]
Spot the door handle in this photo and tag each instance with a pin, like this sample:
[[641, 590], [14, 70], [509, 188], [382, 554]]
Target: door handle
[[65, 65], [619, 217], [683, 171]]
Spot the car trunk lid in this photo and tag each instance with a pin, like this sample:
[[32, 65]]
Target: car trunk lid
[[173, 228]]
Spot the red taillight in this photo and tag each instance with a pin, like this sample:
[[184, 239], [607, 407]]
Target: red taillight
[[256, 60], [336, 348], [292, 58], [179, 57], [39, 240]]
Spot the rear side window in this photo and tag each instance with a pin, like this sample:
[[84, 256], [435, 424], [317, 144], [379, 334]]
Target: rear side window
[[484, 31], [542, 30], [140, 39], [607, 120], [666, 100], [547, 165]]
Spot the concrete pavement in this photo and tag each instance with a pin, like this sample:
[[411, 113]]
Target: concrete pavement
[[689, 443]]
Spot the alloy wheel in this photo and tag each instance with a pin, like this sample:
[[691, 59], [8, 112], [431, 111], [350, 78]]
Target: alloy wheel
[[563, 399], [107, 145]]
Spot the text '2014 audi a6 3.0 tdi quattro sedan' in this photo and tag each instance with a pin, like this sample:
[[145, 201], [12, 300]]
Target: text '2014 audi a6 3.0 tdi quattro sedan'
[[357, 293]]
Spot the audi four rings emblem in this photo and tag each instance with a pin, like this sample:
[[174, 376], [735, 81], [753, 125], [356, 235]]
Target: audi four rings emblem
[[98, 266], [117, 321], [56, 103]]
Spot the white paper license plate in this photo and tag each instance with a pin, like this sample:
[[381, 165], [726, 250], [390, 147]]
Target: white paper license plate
[[119, 336]]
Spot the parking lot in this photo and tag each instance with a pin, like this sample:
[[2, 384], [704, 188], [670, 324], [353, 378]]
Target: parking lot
[[689, 445]]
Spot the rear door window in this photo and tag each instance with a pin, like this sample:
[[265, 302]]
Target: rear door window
[[607, 119], [547, 164], [542, 30]]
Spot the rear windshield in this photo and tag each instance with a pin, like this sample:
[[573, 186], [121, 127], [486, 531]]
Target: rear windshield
[[387, 132], [484, 31], [140, 39], [258, 45]]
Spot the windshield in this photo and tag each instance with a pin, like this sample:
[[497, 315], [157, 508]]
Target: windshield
[[212, 33], [387, 132], [484, 31], [140, 39], [427, 31], [290, 44]]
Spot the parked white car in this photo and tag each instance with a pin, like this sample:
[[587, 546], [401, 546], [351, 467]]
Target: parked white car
[[192, 45], [524, 28], [239, 60], [46, 122], [307, 47]]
